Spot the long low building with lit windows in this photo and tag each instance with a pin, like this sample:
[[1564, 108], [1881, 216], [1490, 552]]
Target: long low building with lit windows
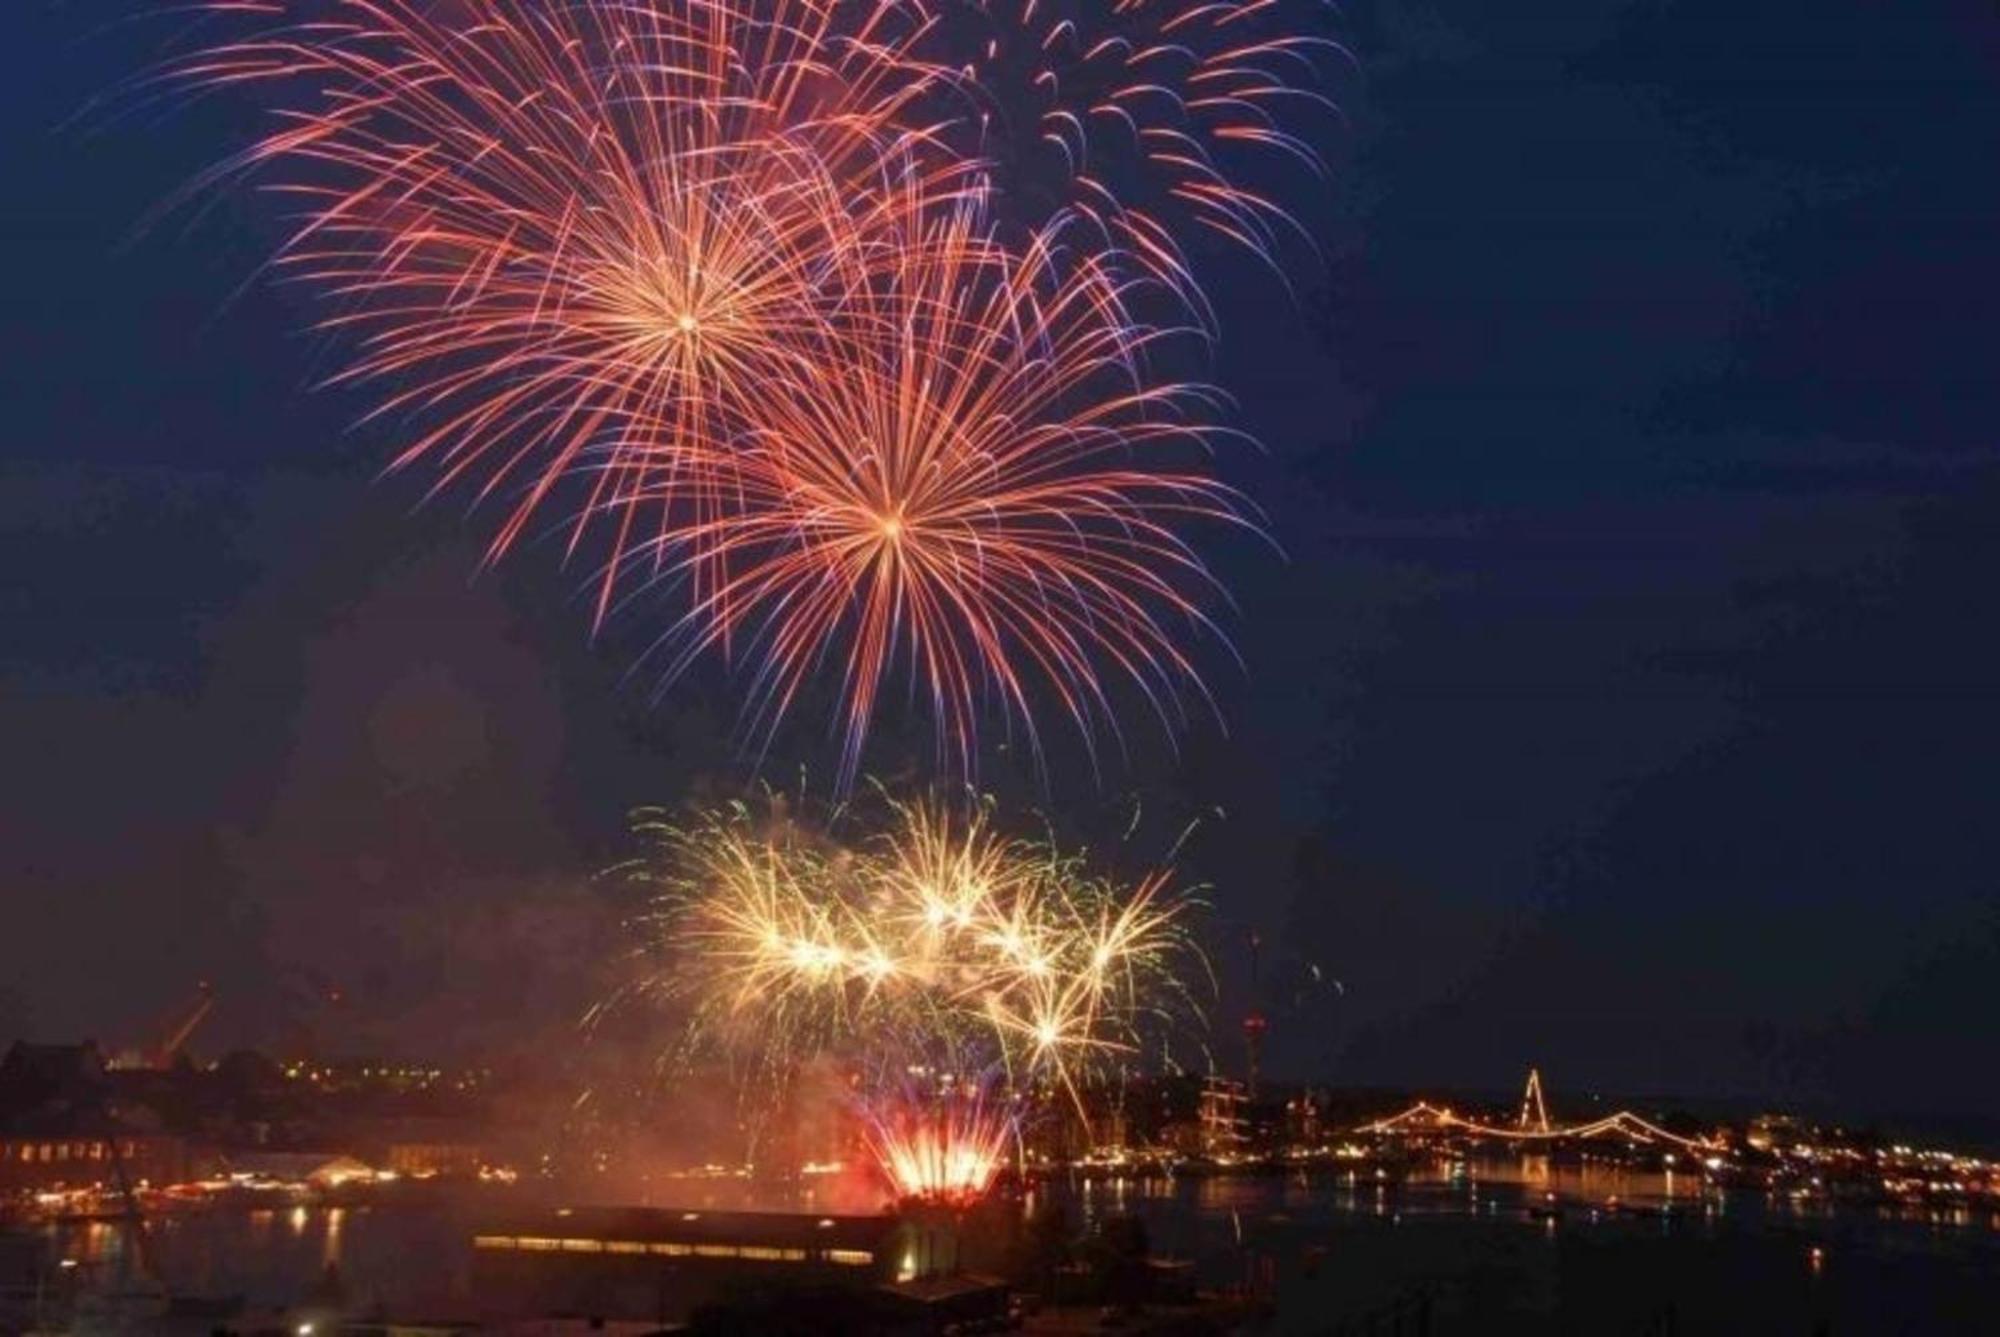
[[58, 1154], [664, 1263]]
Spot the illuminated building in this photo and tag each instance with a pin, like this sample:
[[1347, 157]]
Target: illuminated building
[[1303, 1127], [422, 1160], [320, 1170], [1770, 1132], [73, 1159], [60, 1128]]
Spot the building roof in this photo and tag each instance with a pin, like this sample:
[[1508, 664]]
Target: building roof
[[296, 1166], [580, 1327], [33, 1075], [804, 1230], [56, 1091], [944, 1290]]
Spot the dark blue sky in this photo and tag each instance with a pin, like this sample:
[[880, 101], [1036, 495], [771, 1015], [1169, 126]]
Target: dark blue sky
[[1626, 701]]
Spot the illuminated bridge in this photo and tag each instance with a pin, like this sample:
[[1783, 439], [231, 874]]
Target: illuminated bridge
[[1532, 1127]]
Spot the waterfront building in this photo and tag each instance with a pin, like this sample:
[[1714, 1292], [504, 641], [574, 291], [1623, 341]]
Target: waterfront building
[[61, 1129], [662, 1263]]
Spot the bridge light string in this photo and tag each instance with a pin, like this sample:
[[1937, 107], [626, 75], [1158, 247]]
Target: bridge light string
[[1623, 1121]]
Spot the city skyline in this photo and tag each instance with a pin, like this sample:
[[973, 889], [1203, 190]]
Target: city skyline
[[1623, 695]]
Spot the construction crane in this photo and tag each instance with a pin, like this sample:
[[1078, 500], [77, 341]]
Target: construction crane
[[181, 1025]]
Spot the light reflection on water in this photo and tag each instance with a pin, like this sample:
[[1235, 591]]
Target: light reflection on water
[[271, 1257], [1326, 1229], [1506, 1244]]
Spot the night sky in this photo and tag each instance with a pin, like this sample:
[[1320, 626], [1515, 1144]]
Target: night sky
[[1624, 700]]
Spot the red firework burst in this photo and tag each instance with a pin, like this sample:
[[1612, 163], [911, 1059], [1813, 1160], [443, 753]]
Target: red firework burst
[[945, 1149], [973, 477], [711, 285], [1144, 111], [543, 224]]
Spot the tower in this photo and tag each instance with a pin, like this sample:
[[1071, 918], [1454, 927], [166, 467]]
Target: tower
[[1254, 1026], [1255, 1023]]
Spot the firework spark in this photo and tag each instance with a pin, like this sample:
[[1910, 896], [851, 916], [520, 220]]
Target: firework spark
[[541, 224], [946, 1148], [937, 943], [1145, 112], [715, 292], [971, 478]]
